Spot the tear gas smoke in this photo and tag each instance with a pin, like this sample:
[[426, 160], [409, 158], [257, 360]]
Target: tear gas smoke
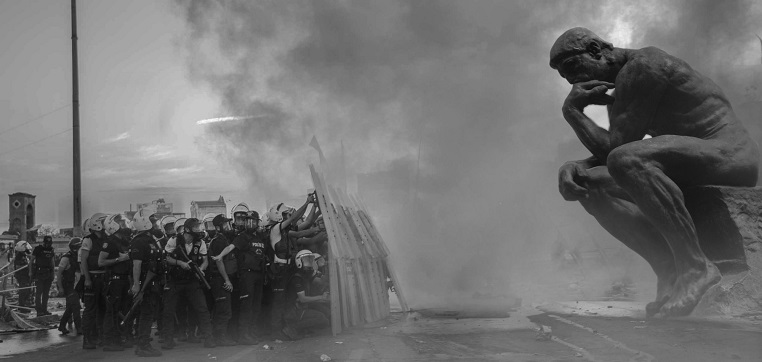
[[467, 85]]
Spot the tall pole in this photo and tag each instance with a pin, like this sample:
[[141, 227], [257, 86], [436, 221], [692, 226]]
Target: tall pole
[[77, 216]]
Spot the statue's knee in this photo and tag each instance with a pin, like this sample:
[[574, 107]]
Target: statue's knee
[[623, 162]]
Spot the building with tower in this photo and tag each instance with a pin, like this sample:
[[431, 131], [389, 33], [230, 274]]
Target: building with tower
[[21, 211]]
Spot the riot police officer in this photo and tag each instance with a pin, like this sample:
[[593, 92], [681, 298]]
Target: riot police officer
[[92, 282], [250, 251], [283, 231], [114, 256], [167, 224], [41, 270], [221, 273], [21, 253], [146, 257], [183, 282], [66, 274]]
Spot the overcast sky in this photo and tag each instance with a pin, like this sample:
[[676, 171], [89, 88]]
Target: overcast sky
[[465, 82], [138, 109]]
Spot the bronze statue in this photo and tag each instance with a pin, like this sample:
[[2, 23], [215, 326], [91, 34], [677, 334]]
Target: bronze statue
[[632, 185]]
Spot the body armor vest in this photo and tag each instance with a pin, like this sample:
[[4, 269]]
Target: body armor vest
[[284, 249], [21, 258], [254, 257], [122, 267], [176, 271], [95, 250], [68, 275]]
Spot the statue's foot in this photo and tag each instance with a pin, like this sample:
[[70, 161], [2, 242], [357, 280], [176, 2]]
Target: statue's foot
[[653, 308], [688, 290], [665, 283]]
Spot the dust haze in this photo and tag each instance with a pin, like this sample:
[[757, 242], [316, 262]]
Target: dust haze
[[467, 86]]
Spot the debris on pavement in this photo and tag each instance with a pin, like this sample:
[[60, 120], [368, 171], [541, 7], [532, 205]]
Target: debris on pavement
[[278, 341], [339, 342], [544, 333], [267, 347], [325, 358]]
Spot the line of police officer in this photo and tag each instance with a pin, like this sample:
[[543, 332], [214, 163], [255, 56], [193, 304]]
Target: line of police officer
[[135, 272]]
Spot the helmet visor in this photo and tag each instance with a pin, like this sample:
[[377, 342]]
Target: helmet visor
[[123, 223], [239, 218], [308, 261], [251, 223]]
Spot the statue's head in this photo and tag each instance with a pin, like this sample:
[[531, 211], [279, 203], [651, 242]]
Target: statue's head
[[579, 55]]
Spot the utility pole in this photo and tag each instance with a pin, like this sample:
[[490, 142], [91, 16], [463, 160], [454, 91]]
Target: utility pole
[[77, 216]]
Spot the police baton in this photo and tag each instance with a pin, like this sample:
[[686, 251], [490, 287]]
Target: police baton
[[138, 298]]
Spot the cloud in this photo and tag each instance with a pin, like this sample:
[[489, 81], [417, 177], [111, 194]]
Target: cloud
[[117, 138]]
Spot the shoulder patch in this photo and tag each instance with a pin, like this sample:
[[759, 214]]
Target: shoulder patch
[[105, 245]]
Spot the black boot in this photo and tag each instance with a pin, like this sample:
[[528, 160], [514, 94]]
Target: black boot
[[147, 351]]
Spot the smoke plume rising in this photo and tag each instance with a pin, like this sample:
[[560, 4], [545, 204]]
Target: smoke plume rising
[[466, 84]]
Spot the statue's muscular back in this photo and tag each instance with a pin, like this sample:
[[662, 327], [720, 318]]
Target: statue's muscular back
[[692, 105]]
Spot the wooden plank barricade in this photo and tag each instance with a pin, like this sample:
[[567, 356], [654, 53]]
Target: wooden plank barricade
[[358, 260]]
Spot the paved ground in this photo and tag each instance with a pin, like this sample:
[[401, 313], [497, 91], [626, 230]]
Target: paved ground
[[581, 331]]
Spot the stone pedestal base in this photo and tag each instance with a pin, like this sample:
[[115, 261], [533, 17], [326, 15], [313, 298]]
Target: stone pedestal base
[[729, 225]]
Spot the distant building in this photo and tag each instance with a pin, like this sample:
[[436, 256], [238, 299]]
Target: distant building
[[158, 207], [21, 211], [201, 208]]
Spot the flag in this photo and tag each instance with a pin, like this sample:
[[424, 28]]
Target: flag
[[314, 143]]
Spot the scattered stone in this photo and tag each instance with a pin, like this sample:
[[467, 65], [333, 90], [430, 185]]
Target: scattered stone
[[579, 355], [544, 333], [639, 327], [325, 358], [339, 342], [278, 341], [267, 347]]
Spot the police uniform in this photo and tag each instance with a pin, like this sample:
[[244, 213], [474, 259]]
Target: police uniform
[[43, 276], [145, 248], [72, 298], [222, 298], [183, 285], [281, 268], [21, 259], [298, 316], [161, 280], [116, 291], [95, 303], [187, 321], [250, 251]]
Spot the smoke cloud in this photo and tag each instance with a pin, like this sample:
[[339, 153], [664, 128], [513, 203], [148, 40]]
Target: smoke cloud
[[465, 84]]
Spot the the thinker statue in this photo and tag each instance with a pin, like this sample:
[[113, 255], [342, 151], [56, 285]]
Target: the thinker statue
[[632, 185]]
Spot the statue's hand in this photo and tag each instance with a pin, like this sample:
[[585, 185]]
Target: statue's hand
[[591, 92], [568, 175]]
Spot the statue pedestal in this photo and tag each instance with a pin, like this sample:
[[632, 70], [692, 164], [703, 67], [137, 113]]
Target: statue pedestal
[[729, 225]]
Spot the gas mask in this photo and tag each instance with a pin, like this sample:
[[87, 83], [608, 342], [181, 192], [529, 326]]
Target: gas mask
[[308, 265], [156, 228], [239, 220], [197, 231], [251, 224], [169, 230]]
